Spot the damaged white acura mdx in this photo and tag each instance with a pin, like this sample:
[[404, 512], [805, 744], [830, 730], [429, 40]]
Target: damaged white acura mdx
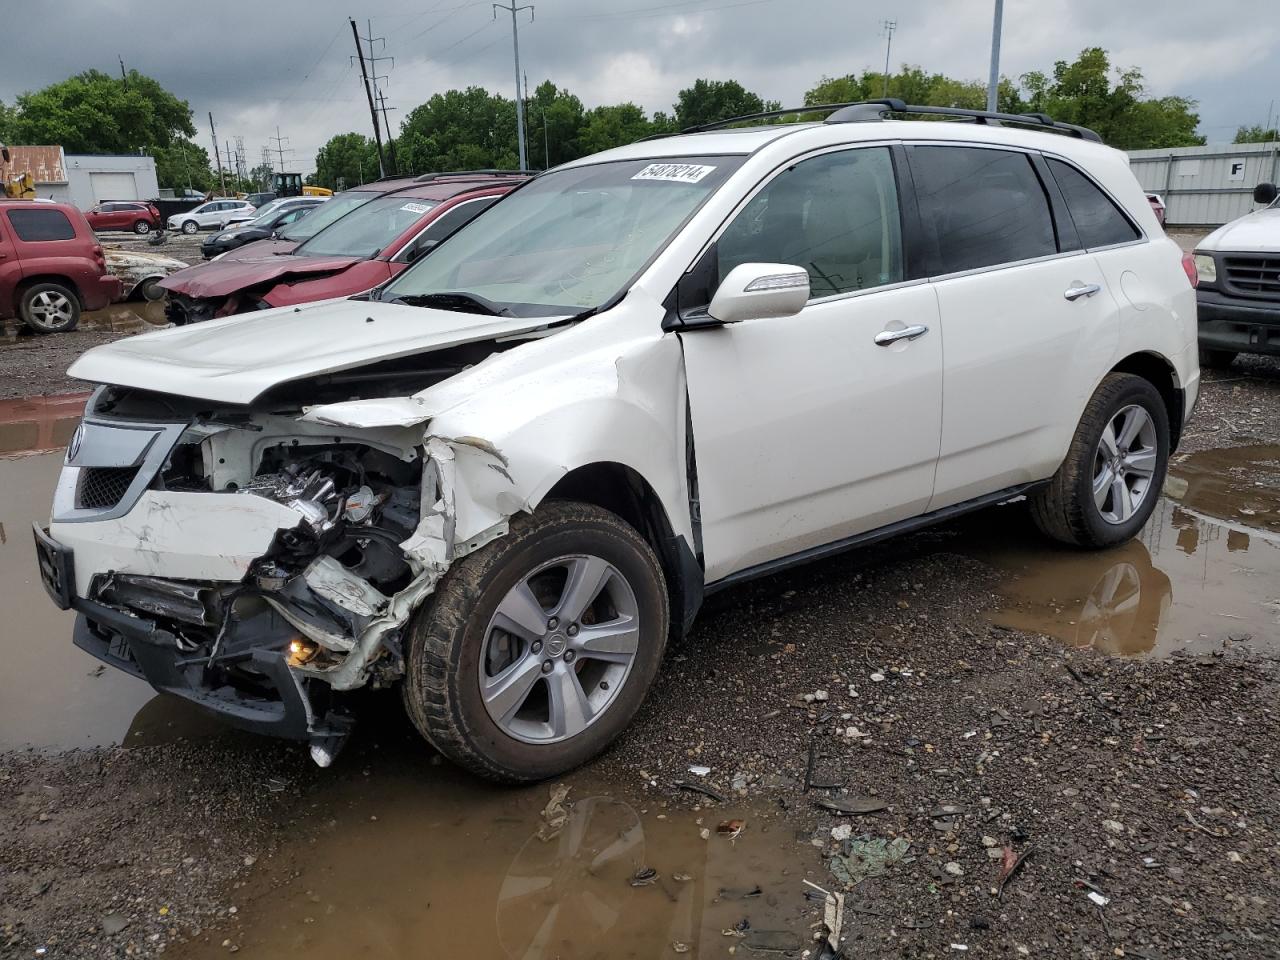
[[505, 478]]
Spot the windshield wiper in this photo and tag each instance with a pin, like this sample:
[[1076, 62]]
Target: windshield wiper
[[457, 301]]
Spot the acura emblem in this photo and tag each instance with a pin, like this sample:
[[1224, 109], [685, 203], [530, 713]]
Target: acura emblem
[[73, 448]]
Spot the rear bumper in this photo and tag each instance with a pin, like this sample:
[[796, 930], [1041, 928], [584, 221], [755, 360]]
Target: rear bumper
[[1238, 325], [101, 291]]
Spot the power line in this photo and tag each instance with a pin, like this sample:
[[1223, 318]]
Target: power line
[[368, 91]]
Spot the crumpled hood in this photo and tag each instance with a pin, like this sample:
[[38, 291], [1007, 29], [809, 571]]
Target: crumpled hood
[[220, 278], [1257, 231], [236, 359], [258, 248]]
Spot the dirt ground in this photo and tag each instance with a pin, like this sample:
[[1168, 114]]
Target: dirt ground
[[1019, 796]]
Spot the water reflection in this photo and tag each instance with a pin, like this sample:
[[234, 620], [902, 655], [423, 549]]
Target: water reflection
[[37, 424], [1186, 583]]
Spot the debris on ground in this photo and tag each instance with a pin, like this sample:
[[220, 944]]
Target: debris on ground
[[867, 857], [554, 814]]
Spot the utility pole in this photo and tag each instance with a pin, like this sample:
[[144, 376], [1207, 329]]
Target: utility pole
[[123, 77], [391, 143], [515, 43], [222, 177], [993, 79], [368, 92], [280, 142], [888, 26]]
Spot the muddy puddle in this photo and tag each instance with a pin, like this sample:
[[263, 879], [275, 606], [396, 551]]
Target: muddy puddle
[[123, 318], [1203, 576], [431, 863]]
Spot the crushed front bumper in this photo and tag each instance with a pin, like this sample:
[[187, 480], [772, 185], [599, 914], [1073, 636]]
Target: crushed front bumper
[[281, 702], [1236, 324]]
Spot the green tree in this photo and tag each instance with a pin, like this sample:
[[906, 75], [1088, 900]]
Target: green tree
[[1083, 92], [553, 123], [459, 130], [94, 112], [7, 117], [349, 157], [183, 165], [613, 126], [1256, 134], [708, 101]]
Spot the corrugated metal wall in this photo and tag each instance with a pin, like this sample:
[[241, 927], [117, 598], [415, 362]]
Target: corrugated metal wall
[[1209, 185]]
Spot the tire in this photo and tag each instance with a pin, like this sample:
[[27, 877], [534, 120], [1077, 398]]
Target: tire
[[1217, 359], [1066, 509], [142, 228], [449, 638], [190, 227], [49, 308], [150, 289]]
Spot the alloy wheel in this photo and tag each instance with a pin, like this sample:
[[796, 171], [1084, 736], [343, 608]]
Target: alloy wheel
[[51, 309], [1124, 464], [559, 648]]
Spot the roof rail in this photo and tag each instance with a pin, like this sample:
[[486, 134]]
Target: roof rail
[[870, 110], [446, 174]]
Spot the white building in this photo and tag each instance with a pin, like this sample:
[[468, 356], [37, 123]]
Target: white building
[[86, 179]]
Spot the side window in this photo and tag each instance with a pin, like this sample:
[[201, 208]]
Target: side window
[[1098, 221], [36, 224], [447, 224], [986, 207], [836, 215]]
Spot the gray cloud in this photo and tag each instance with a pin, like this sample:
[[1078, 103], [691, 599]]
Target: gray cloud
[[287, 61]]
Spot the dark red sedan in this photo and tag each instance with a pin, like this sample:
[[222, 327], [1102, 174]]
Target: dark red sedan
[[362, 249], [124, 215]]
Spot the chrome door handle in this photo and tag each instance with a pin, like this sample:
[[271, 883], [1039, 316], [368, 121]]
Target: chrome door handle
[[886, 337], [1082, 290]]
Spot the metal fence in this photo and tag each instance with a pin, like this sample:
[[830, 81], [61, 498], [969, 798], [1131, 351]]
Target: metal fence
[[1209, 185]]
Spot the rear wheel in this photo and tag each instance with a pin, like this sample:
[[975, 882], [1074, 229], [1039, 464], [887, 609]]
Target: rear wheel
[[49, 308], [190, 226], [537, 650], [1217, 359], [141, 227], [1108, 485], [150, 289]]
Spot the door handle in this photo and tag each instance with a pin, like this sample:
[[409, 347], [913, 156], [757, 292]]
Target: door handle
[[886, 337], [1074, 293]]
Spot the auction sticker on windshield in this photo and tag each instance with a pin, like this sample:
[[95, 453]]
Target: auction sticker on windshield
[[416, 207], [679, 172]]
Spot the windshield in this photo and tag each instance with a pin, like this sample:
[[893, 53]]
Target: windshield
[[335, 208], [569, 241], [365, 231]]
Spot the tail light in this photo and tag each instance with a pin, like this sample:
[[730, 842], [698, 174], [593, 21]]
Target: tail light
[[1189, 268]]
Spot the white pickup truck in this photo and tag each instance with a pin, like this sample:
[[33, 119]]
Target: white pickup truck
[[1238, 298]]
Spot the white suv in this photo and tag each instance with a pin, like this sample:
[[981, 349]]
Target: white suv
[[209, 215], [502, 480]]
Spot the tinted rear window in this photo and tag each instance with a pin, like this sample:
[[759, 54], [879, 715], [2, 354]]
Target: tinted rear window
[[986, 206], [1098, 221], [36, 224]]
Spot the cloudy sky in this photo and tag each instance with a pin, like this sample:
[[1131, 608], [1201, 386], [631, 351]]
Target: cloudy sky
[[286, 62]]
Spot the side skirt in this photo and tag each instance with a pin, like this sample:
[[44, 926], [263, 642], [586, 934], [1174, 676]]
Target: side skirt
[[871, 536]]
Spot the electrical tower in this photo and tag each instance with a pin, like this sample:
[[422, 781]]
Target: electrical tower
[[242, 161], [370, 82]]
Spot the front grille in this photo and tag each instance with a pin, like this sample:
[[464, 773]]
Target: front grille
[[1256, 275], [101, 488]]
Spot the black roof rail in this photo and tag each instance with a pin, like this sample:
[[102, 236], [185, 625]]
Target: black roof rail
[[446, 174], [867, 110]]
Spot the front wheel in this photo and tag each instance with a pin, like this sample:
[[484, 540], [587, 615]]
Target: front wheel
[[190, 227], [1108, 485], [141, 227], [537, 650]]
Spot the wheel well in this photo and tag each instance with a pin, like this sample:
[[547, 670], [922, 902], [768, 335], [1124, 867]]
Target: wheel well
[[1160, 373], [621, 490], [28, 282]]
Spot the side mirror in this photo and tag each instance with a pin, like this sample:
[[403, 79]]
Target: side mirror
[[1265, 193], [755, 291]]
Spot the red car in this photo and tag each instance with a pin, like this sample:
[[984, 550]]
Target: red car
[[368, 245], [121, 215], [51, 266], [1157, 206]]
